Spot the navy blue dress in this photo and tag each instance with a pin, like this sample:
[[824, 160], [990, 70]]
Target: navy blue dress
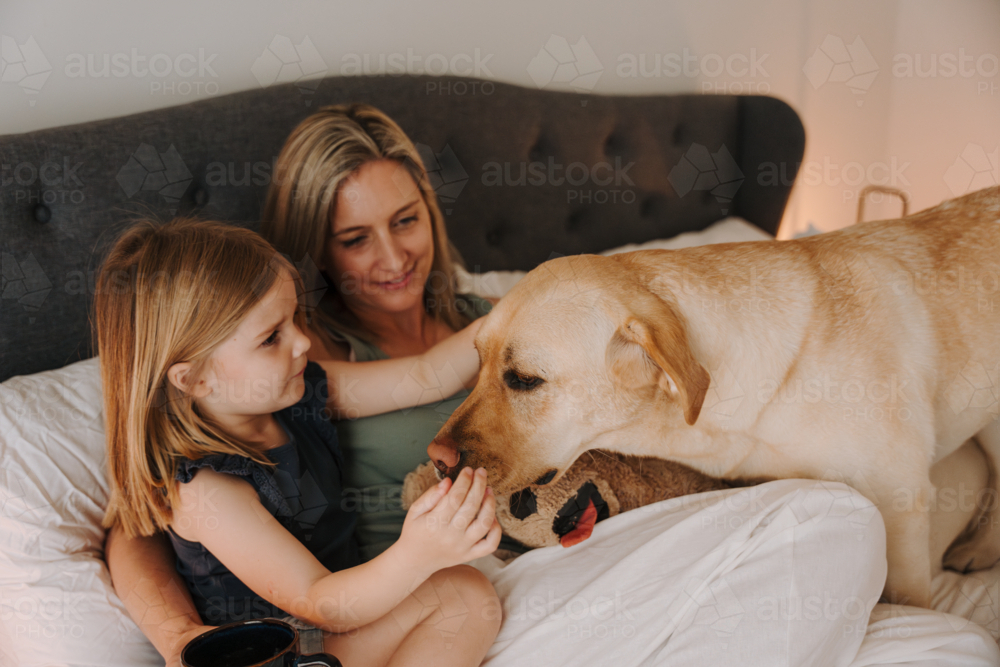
[[304, 492]]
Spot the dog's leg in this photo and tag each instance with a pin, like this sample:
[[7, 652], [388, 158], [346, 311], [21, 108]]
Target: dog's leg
[[907, 534], [978, 547]]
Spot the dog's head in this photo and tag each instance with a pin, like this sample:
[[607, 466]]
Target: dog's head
[[579, 349]]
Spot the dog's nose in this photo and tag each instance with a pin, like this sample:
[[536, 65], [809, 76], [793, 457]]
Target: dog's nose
[[444, 453]]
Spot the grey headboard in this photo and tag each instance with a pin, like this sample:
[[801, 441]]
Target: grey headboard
[[599, 171]]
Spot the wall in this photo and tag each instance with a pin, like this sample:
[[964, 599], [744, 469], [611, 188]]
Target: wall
[[933, 133]]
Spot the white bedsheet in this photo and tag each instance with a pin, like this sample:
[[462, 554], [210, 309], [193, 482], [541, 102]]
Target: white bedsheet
[[784, 573]]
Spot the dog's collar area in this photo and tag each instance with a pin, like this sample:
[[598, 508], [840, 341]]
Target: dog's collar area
[[573, 517]]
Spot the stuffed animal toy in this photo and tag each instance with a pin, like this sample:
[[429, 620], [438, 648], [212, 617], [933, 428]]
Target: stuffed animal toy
[[597, 486]]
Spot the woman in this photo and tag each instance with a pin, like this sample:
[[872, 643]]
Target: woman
[[353, 206]]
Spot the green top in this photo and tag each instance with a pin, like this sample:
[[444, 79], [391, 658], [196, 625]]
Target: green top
[[380, 450]]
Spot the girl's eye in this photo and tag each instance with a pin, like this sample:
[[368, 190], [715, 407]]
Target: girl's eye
[[353, 242], [271, 340], [408, 220]]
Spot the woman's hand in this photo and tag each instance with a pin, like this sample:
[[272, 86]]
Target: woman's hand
[[453, 523], [144, 573]]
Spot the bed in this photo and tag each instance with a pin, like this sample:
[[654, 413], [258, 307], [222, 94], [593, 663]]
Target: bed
[[609, 171]]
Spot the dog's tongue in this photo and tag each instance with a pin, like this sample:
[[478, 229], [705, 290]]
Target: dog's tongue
[[584, 527]]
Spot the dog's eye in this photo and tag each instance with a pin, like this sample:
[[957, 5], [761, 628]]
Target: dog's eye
[[521, 382]]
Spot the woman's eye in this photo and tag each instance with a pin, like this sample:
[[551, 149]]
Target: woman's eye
[[409, 220], [271, 340], [353, 242]]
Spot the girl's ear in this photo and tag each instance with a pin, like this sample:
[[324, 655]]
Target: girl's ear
[[182, 378]]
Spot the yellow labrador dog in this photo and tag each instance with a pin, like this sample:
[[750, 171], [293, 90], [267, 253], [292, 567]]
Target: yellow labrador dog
[[862, 355]]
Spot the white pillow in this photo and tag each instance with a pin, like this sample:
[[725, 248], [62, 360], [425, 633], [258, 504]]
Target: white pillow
[[57, 605], [495, 284]]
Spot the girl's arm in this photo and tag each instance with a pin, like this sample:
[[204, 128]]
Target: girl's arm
[[145, 578], [444, 527], [360, 389]]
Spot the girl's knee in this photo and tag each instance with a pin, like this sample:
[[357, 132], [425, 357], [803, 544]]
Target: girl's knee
[[475, 591], [463, 577]]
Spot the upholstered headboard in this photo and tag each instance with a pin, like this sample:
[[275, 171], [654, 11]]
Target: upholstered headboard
[[522, 174]]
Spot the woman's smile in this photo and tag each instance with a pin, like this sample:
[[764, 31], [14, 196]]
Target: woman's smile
[[396, 284]]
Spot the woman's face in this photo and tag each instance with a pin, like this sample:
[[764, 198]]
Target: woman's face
[[380, 249]]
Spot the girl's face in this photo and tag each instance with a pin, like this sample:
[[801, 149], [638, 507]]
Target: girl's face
[[259, 368], [380, 248]]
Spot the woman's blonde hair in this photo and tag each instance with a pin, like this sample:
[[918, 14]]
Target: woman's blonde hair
[[169, 293], [321, 153]]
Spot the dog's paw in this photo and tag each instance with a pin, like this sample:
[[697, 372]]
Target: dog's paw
[[972, 551]]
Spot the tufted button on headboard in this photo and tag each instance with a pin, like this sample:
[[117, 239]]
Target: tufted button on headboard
[[521, 174]]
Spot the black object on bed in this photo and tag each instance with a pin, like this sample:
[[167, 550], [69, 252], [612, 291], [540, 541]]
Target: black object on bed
[[522, 174]]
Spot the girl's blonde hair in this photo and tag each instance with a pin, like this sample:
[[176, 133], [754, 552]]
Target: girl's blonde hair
[[321, 153], [166, 294]]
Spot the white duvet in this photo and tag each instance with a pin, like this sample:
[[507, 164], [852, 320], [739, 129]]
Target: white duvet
[[784, 573], [681, 582]]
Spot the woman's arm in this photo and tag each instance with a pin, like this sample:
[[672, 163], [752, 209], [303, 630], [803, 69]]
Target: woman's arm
[[145, 578], [360, 389], [444, 527]]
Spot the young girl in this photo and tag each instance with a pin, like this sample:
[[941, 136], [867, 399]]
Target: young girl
[[218, 432]]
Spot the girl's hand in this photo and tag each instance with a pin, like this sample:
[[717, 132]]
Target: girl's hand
[[453, 523]]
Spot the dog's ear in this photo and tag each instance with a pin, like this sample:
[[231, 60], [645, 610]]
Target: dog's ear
[[640, 352]]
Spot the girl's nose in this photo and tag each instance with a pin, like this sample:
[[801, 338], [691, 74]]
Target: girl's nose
[[302, 342]]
